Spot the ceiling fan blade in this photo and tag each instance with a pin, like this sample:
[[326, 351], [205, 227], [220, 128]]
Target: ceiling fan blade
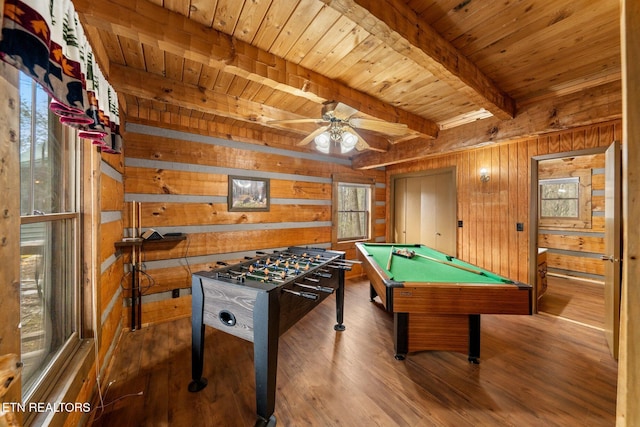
[[393, 129], [364, 145], [312, 135], [361, 144], [343, 111], [291, 121]]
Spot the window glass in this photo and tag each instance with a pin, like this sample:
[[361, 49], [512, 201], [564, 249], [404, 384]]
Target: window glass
[[559, 198], [353, 211], [49, 155]]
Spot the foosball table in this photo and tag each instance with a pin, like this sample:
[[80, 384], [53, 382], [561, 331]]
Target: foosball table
[[260, 298]]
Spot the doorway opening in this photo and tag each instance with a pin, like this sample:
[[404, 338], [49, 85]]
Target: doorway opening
[[572, 228]]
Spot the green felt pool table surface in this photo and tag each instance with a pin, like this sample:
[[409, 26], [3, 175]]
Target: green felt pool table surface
[[419, 269]]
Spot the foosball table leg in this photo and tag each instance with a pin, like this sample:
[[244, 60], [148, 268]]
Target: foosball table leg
[[197, 337], [340, 302], [271, 422], [266, 324]]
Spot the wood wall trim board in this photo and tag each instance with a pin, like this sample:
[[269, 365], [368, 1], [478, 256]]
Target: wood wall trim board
[[628, 410]]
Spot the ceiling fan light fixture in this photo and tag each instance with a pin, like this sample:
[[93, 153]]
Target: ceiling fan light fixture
[[347, 142], [323, 142]]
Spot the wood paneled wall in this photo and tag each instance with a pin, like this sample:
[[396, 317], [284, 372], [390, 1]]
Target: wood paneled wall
[[180, 175], [111, 265], [491, 211]]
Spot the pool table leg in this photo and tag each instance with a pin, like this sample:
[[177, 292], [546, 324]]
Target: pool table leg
[[474, 338], [401, 335], [372, 292]]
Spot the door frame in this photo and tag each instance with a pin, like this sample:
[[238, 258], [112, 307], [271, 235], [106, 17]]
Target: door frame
[[533, 212], [426, 172]]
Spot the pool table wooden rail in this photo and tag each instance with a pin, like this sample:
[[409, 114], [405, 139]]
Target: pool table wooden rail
[[436, 298], [441, 316]]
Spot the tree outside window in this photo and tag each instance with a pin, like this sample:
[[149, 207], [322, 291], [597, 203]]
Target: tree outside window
[[353, 211]]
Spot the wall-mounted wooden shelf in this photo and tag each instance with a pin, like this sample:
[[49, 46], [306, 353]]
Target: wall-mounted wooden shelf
[[141, 242]]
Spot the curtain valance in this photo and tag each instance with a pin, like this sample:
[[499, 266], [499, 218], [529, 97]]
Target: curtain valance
[[44, 39]]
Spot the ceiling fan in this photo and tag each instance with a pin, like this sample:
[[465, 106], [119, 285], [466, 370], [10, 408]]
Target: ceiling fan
[[339, 127]]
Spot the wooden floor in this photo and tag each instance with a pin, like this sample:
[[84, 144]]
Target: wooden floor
[[575, 300], [534, 370]]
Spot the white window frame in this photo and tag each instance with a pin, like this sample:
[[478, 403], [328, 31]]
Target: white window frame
[[46, 385], [369, 213]]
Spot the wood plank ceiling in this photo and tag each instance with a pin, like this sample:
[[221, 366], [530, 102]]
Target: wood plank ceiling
[[432, 65]]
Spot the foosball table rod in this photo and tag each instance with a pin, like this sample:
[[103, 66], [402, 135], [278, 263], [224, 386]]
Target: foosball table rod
[[325, 289], [307, 295]]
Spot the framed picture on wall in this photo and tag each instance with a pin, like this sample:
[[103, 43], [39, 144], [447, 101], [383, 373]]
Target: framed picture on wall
[[248, 194]]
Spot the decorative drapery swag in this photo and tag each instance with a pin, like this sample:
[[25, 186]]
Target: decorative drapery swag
[[44, 39]]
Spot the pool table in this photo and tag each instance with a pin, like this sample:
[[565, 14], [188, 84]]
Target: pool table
[[436, 299]]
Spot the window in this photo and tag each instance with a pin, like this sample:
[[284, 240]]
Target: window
[[49, 236], [559, 198], [565, 202], [353, 211]]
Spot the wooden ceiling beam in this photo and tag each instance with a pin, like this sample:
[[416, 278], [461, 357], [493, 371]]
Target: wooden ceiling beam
[[590, 106], [156, 26], [158, 88], [397, 25]]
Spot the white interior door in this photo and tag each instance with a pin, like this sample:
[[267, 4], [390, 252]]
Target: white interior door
[[425, 211], [428, 211], [400, 216], [446, 217]]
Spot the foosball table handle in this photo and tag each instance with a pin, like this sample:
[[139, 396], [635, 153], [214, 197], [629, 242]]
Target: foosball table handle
[[303, 294], [325, 289]]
